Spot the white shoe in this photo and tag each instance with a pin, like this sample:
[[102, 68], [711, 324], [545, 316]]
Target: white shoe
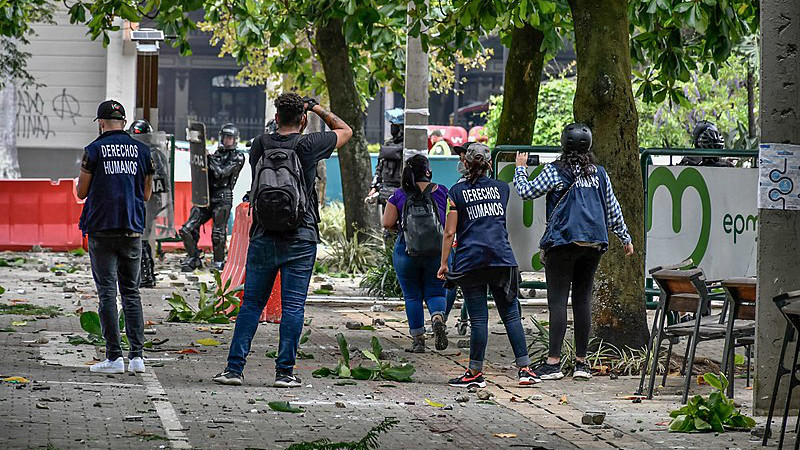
[[136, 365], [109, 366]]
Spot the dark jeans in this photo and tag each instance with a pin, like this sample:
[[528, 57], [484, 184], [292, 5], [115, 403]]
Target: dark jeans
[[570, 265], [417, 278], [116, 261], [475, 298], [265, 257]]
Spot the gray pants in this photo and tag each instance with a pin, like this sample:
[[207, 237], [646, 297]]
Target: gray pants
[[116, 261]]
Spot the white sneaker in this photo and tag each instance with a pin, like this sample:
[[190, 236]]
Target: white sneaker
[[109, 366], [136, 365]]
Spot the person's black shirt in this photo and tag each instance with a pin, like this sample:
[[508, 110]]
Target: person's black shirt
[[311, 148]]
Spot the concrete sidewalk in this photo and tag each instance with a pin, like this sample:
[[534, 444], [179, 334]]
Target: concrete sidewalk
[[176, 405]]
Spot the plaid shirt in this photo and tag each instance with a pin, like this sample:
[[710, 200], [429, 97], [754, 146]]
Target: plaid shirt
[[549, 180]]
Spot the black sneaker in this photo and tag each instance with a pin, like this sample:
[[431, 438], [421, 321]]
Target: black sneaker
[[582, 371], [549, 371], [229, 378], [286, 380], [440, 335], [527, 377], [469, 380]]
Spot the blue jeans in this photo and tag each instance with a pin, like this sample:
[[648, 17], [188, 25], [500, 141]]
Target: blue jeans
[[417, 278], [475, 301], [265, 257], [451, 293]]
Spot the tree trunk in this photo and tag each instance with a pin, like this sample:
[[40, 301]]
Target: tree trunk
[[521, 88], [354, 161], [604, 101], [9, 161], [415, 135]]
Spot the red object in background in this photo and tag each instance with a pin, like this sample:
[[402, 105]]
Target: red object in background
[[454, 136], [39, 212], [478, 134], [237, 261]]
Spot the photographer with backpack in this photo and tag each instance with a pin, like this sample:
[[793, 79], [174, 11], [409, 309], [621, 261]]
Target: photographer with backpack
[[284, 233], [417, 210], [389, 169], [484, 262]]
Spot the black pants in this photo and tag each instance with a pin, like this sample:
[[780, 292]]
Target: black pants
[[116, 263], [570, 265]]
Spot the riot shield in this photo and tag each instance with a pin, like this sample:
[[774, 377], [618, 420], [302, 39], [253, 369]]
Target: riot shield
[[160, 216], [198, 159]]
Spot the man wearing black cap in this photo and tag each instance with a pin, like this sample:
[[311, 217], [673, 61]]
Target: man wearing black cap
[[116, 181]]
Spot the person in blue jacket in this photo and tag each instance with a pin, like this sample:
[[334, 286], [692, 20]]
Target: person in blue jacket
[[484, 261], [581, 208]]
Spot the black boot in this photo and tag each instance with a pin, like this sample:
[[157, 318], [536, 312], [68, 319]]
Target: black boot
[[147, 277], [190, 263]]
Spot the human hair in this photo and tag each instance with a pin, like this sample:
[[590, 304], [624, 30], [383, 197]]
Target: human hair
[[112, 124], [417, 169], [583, 161], [290, 109], [436, 133], [477, 168]]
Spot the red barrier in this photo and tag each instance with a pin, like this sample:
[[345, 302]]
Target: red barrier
[[183, 206], [237, 260], [39, 212]]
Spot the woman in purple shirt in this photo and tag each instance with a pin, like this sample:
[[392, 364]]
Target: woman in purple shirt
[[417, 274]]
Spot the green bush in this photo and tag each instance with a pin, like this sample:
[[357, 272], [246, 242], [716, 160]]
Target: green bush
[[723, 101], [715, 413]]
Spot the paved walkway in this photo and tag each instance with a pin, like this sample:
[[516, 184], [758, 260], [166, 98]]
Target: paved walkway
[[175, 405]]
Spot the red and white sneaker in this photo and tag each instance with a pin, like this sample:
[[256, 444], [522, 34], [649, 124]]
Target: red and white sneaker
[[469, 380]]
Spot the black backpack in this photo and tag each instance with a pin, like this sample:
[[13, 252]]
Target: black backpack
[[279, 196], [422, 226], [392, 169]]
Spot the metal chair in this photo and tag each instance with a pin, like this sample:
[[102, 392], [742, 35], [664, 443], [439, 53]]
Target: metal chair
[[683, 291], [789, 305], [739, 325]]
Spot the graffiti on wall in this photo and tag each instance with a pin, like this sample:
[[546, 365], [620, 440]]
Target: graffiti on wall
[[36, 116]]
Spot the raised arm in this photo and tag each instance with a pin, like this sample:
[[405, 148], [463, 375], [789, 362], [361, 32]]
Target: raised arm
[[545, 182], [337, 125]]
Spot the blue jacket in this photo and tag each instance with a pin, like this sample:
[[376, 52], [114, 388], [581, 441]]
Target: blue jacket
[[118, 164]]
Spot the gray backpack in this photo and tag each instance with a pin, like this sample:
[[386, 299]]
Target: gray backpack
[[422, 226], [279, 196]]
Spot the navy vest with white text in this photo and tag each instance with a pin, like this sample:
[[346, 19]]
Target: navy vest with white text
[[581, 216], [116, 193], [482, 234]]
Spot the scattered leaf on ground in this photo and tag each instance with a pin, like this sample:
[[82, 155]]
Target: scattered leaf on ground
[[505, 435], [16, 380], [284, 407], [563, 400], [272, 354], [208, 342], [19, 323], [188, 351], [345, 383], [434, 404]]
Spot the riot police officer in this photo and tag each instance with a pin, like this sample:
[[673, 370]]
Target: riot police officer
[[141, 130], [706, 135], [224, 166]]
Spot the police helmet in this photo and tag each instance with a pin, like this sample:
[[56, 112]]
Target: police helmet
[[576, 138], [140, 126], [229, 129]]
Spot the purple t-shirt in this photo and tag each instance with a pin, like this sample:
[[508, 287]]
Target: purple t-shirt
[[439, 196]]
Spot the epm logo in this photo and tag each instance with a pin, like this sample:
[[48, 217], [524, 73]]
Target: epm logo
[[688, 178]]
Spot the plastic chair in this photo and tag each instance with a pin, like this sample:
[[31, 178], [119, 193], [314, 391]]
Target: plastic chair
[[789, 305], [740, 323]]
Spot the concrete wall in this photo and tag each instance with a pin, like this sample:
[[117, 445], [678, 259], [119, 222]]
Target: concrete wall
[[779, 231], [54, 121]]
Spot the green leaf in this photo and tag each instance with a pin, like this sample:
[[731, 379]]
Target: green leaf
[[370, 356], [271, 354], [303, 355], [364, 373], [304, 337], [284, 407], [121, 321], [129, 13], [738, 359], [90, 322], [377, 349], [343, 348], [400, 373], [713, 380], [344, 371], [208, 342], [322, 372], [2, 290], [701, 424]]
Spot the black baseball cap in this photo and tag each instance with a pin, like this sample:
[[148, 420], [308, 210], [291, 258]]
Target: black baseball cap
[[459, 149], [110, 109]]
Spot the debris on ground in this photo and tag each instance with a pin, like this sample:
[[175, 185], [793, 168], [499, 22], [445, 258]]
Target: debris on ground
[[593, 418], [462, 399], [485, 395], [16, 380], [353, 325]]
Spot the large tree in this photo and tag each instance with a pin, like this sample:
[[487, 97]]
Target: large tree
[[357, 42]]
